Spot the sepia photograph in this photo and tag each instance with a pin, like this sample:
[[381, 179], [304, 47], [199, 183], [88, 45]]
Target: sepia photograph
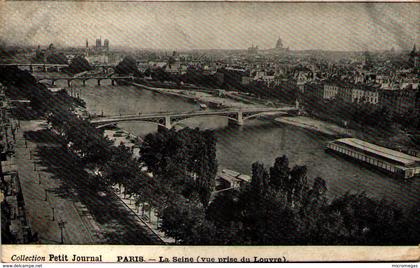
[[208, 124]]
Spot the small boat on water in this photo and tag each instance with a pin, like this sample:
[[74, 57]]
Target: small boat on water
[[203, 106]]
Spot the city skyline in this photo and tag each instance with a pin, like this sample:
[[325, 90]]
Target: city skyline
[[185, 26]]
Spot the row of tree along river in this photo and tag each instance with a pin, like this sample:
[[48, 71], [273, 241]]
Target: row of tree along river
[[239, 147]]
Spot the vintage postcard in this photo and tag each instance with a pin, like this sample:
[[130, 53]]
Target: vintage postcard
[[209, 131]]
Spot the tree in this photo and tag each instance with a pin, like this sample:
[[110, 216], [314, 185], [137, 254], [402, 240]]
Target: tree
[[279, 173], [6, 235], [12, 75], [265, 218], [297, 185], [368, 221], [79, 64], [151, 151], [410, 235], [185, 160], [159, 74], [205, 163], [118, 169], [260, 179], [224, 209], [58, 58], [186, 222], [127, 66], [39, 56], [311, 220]]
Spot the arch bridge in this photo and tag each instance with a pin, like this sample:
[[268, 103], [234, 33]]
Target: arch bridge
[[85, 78], [44, 67], [168, 120]]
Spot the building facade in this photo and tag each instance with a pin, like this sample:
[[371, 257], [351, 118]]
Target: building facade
[[400, 101], [330, 91], [358, 93]]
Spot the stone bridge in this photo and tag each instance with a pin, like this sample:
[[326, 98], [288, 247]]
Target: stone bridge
[[44, 67], [37, 66], [85, 78], [168, 120]]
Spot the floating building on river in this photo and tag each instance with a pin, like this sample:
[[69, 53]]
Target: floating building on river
[[397, 163]]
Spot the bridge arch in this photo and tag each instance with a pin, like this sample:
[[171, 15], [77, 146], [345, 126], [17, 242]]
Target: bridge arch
[[177, 121], [46, 80], [106, 80], [259, 114], [160, 122]]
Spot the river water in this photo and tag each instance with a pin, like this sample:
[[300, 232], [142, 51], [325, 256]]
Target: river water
[[239, 147]]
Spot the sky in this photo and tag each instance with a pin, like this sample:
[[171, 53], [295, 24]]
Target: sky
[[217, 25]]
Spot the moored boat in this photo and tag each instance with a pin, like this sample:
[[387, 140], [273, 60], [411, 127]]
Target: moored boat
[[203, 106]]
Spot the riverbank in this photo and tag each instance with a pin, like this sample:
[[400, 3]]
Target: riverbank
[[393, 140], [210, 100], [213, 101], [399, 141], [316, 125]]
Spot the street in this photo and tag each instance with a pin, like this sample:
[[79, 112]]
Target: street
[[56, 192]]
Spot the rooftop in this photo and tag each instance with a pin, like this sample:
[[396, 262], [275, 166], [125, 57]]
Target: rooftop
[[233, 176]]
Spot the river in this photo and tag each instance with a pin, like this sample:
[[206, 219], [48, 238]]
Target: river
[[239, 147]]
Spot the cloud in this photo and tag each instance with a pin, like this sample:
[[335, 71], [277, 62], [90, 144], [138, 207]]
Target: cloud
[[330, 26]]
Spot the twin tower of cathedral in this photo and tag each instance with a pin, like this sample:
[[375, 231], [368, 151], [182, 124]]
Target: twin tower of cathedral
[[99, 45]]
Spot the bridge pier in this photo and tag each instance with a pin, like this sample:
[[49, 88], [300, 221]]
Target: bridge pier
[[31, 68], [84, 82], [52, 82], [167, 125], [238, 121], [99, 82], [68, 82], [113, 82]]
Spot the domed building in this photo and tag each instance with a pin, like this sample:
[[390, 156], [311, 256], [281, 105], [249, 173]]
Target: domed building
[[279, 48], [279, 44]]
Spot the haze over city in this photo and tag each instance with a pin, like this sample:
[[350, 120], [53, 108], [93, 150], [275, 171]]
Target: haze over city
[[342, 27]]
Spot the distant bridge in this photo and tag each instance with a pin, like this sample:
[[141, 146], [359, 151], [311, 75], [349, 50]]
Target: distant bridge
[[37, 66], [85, 78], [45, 66], [109, 65], [167, 120]]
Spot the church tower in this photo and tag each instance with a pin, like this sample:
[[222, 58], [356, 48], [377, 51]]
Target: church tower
[[413, 59]]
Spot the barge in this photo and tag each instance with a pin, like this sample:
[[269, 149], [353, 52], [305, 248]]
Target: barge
[[396, 163], [230, 179]]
